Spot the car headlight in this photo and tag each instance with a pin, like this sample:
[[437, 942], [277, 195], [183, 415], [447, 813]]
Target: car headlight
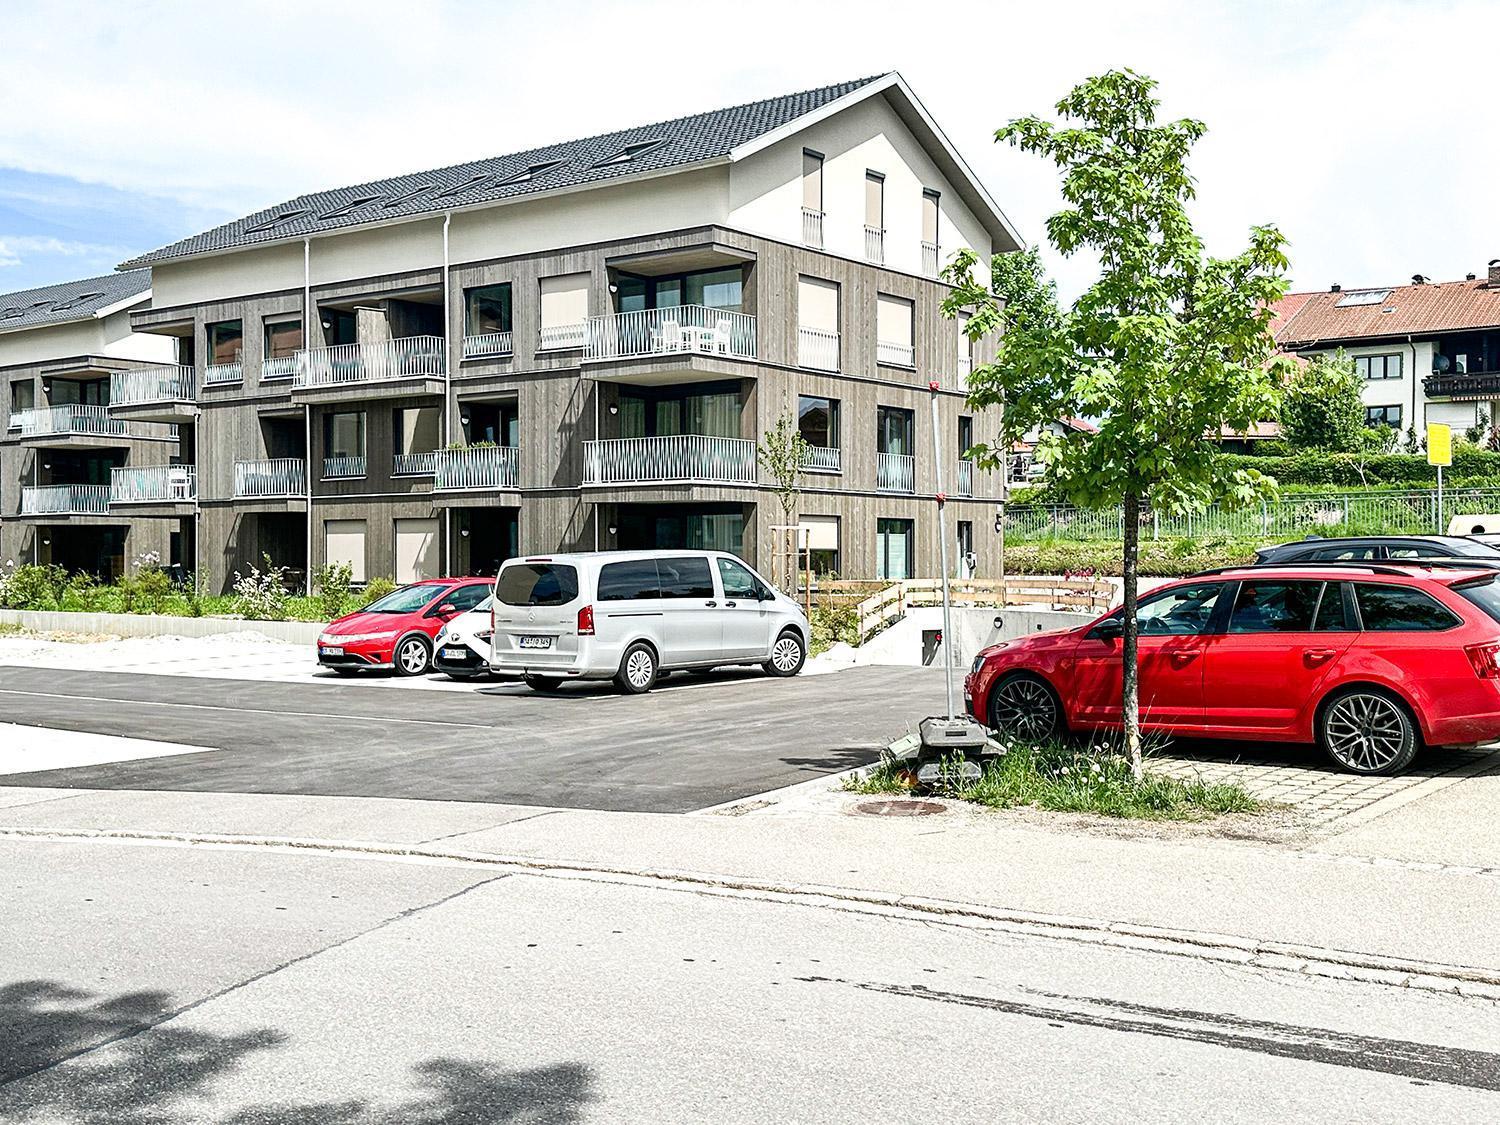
[[356, 638], [978, 664]]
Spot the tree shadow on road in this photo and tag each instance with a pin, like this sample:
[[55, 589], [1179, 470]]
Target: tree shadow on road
[[836, 759], [71, 1056]]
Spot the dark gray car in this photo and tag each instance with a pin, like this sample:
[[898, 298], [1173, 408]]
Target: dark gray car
[[1315, 549]]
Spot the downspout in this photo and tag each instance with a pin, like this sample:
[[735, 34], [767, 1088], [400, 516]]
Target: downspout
[[447, 390], [307, 448]]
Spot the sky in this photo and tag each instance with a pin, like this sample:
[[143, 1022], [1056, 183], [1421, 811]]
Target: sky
[[1363, 130]]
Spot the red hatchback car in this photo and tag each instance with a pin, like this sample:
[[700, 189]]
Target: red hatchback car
[[1370, 661], [397, 631]]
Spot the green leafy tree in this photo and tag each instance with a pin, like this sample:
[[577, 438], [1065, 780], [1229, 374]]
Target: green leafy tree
[[1167, 346], [1321, 407], [782, 452]]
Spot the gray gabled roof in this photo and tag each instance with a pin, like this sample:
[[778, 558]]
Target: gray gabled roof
[[629, 152], [71, 300]]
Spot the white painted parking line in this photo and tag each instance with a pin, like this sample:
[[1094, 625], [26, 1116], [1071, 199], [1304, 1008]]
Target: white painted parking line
[[342, 715], [26, 749]]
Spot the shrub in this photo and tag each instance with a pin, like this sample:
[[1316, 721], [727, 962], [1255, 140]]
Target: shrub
[[29, 586], [1321, 406], [375, 589], [334, 596], [147, 590], [262, 595], [90, 595], [833, 621]]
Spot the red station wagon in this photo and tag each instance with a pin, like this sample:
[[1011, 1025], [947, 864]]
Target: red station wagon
[[1369, 660], [397, 631]]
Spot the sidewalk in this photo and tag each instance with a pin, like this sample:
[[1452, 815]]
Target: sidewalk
[[1330, 898]]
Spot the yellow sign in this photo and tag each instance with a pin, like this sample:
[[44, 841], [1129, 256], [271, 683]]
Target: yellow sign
[[1439, 444]]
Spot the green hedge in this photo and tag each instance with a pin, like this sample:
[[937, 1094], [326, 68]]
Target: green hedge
[[1158, 557], [1471, 466]]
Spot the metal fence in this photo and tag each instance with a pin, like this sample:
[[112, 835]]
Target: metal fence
[[1332, 513]]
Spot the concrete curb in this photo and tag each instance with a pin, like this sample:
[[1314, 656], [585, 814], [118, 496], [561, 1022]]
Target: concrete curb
[[1460, 980], [156, 625]]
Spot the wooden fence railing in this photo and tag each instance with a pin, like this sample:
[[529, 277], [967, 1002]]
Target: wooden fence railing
[[878, 603]]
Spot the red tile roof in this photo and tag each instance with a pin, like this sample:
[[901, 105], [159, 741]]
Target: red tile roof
[[1306, 319]]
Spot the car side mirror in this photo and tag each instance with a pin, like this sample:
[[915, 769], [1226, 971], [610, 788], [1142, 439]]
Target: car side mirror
[[447, 609], [1108, 629], [762, 594]]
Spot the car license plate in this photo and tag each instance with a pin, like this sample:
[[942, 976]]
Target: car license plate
[[332, 650], [455, 654], [536, 642]]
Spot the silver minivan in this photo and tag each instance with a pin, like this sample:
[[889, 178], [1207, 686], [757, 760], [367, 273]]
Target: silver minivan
[[632, 615]]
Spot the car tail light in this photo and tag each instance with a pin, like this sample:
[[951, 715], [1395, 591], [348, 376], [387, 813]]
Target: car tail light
[[586, 621], [1486, 660]]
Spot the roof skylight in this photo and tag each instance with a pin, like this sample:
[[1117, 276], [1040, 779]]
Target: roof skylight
[[630, 152], [352, 205], [1362, 297], [531, 173], [276, 220]]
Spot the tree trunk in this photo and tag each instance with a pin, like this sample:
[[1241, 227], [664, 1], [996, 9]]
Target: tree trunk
[[1130, 680]]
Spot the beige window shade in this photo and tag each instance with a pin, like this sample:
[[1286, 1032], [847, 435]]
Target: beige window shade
[[929, 216], [565, 300], [417, 429], [874, 200], [344, 542], [812, 181], [818, 304], [893, 320], [416, 549], [821, 532]]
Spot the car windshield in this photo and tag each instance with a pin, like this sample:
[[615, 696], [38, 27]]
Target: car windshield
[[408, 599], [1485, 594], [537, 584]]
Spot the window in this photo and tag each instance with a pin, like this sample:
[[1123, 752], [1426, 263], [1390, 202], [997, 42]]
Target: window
[[1396, 609], [1337, 554], [283, 338], [893, 330], [661, 413], [818, 304], [893, 548], [487, 309], [685, 578], [465, 598], [565, 309], [818, 421], [965, 435], [965, 565], [874, 201], [738, 581], [416, 429], [1383, 416], [628, 581], [1275, 607], [224, 341], [1378, 366], [534, 584], [90, 392], [408, 599], [822, 540], [344, 434], [812, 180], [715, 289], [1182, 612], [1485, 594], [930, 217], [344, 542], [1363, 297], [894, 430], [1336, 610], [22, 397], [630, 152]]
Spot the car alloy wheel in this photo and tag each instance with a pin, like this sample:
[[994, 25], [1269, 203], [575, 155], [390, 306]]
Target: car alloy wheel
[[1368, 733], [638, 669], [787, 656], [1024, 706], [411, 657]]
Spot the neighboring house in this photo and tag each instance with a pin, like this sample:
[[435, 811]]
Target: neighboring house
[[1428, 352], [79, 486], [579, 346], [1023, 468]]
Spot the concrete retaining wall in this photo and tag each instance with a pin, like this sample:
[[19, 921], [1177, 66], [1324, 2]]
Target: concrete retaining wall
[[973, 628], [150, 625]]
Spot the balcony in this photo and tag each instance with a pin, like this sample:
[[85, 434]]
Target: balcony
[[342, 468], [280, 367], [413, 464], [218, 374], [823, 459], [676, 459], [487, 345], [88, 419], [895, 355], [812, 228], [817, 349], [280, 478], [963, 484], [895, 472], [154, 484], [152, 386], [562, 337], [65, 500], [407, 357], [477, 466], [680, 330], [930, 259], [875, 245], [1461, 388]]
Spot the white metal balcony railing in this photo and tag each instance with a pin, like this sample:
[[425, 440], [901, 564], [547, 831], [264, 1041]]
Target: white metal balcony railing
[[336, 467], [71, 418], [167, 383], [65, 500], [678, 457], [897, 355], [280, 366], [278, 478], [406, 357], [965, 365], [930, 258], [413, 464], [672, 331], [875, 245], [487, 344], [963, 484], [817, 349], [812, 228], [823, 459], [159, 484], [556, 337], [895, 472], [216, 374], [478, 466]]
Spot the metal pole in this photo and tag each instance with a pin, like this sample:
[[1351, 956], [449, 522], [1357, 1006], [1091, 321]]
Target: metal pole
[[451, 554], [1440, 501], [942, 503], [307, 448]]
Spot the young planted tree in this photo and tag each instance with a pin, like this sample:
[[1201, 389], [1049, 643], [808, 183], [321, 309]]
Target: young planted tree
[[1164, 349], [782, 452], [1322, 407]]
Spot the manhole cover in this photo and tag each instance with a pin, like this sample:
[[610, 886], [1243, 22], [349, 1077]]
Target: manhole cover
[[899, 808]]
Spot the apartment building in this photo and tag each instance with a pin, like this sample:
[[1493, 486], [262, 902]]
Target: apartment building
[[579, 347], [79, 486], [1428, 351]]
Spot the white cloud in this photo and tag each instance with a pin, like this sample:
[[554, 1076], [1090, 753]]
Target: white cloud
[[1362, 129], [14, 249]]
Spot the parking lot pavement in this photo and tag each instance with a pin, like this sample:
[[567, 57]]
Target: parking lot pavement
[[690, 744]]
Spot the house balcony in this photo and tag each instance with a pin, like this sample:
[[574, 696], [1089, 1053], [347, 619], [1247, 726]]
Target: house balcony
[[86, 424], [823, 459], [963, 482], [403, 366], [487, 345], [562, 337], [154, 485], [895, 472], [674, 459], [931, 259], [413, 464], [280, 367], [875, 245], [476, 467], [812, 228], [279, 478], [343, 468], [223, 374], [65, 500], [817, 350], [674, 344], [1463, 388], [154, 394], [895, 355]]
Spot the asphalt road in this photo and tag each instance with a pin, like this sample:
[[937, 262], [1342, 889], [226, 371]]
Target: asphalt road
[[167, 985], [688, 745]]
